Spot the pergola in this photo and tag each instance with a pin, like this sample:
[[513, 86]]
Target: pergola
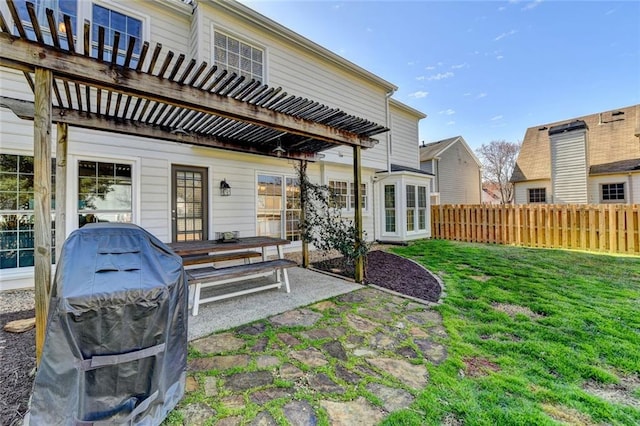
[[157, 95]]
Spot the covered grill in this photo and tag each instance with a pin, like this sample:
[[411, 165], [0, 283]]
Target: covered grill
[[116, 341]]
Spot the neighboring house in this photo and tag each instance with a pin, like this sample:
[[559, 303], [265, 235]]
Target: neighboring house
[[179, 190], [457, 170], [491, 194], [592, 159]]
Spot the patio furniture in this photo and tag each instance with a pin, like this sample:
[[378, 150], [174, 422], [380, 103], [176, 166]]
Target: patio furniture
[[211, 251]]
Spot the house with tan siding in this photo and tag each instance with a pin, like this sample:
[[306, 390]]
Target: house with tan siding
[[171, 186], [456, 169], [584, 160]]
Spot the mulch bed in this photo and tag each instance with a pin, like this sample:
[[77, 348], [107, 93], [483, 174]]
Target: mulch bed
[[390, 271], [18, 359], [18, 350]]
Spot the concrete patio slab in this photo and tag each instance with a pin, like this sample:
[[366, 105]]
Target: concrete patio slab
[[307, 287]]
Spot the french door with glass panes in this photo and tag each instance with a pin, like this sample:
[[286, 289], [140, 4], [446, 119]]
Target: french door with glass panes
[[278, 207], [189, 203]]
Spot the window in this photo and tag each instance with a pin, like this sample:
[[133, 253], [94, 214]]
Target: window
[[411, 207], [113, 21], [390, 208], [537, 195], [340, 191], [612, 192], [344, 194], [363, 196], [16, 211], [271, 209], [59, 8], [237, 56], [104, 192], [422, 208]]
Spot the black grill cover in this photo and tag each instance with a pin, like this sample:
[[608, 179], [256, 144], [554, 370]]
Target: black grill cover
[[116, 341]]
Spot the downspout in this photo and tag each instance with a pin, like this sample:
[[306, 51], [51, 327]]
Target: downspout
[[388, 126]]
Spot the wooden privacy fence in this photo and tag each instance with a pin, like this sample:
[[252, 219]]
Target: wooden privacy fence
[[611, 228]]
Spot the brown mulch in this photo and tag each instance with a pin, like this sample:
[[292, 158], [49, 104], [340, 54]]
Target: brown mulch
[[18, 350], [16, 363], [392, 272]]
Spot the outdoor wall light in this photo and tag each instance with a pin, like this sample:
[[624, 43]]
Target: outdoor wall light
[[225, 188]]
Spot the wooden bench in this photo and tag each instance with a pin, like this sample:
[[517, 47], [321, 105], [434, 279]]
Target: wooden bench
[[207, 276], [198, 259]]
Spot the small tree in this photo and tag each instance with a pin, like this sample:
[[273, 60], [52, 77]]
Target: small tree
[[498, 161], [323, 224]]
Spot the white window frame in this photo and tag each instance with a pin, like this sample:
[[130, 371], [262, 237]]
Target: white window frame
[[72, 185], [394, 208], [624, 193], [349, 197], [536, 189], [243, 39], [283, 209]]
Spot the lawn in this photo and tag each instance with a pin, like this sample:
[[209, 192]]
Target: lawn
[[534, 336]]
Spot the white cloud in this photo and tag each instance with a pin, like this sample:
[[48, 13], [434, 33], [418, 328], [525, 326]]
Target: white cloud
[[369, 29], [532, 5], [501, 9], [420, 77], [481, 95], [440, 76], [458, 66], [430, 68], [451, 123], [447, 111], [440, 64], [497, 117], [503, 35], [467, 94], [499, 57], [610, 11], [419, 94]]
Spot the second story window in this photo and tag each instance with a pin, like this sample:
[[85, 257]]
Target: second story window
[[59, 8], [113, 21], [237, 56]]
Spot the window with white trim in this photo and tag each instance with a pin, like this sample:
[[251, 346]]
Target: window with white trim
[[59, 8], [113, 21], [390, 208], [17, 216], [238, 56], [612, 192], [344, 194], [537, 195], [104, 192], [411, 207], [416, 207]]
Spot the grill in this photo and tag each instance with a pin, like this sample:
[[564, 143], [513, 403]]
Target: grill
[[116, 340]]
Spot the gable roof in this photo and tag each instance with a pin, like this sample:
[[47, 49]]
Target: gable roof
[[436, 149], [612, 144]]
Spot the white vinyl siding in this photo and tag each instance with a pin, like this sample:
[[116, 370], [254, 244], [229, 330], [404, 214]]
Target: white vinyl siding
[[458, 177], [521, 190], [632, 187], [404, 136], [569, 167]]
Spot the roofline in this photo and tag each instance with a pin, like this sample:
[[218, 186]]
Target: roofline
[[407, 108], [284, 32], [464, 143], [178, 6], [582, 117]]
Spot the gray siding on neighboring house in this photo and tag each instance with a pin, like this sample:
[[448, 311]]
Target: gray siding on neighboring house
[[459, 177], [569, 167]]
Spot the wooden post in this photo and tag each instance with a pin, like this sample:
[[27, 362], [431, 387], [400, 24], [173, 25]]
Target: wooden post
[[42, 202], [61, 187], [303, 208], [357, 182]]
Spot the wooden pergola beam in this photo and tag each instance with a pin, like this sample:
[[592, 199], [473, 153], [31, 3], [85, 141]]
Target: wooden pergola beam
[[25, 110], [20, 54]]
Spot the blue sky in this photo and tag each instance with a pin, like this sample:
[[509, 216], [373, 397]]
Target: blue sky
[[485, 70]]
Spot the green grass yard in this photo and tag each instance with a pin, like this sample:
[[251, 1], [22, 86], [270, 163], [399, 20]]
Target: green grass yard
[[536, 337]]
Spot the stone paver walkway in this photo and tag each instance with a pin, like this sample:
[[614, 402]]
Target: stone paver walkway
[[350, 360]]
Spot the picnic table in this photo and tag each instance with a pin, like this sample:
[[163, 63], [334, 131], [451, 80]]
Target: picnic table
[[210, 252]]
